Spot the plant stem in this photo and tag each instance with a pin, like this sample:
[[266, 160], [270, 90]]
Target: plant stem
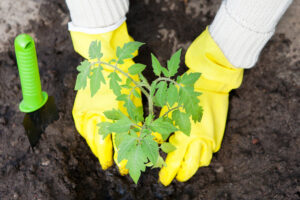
[[167, 79], [125, 74], [150, 101], [170, 110], [137, 125]]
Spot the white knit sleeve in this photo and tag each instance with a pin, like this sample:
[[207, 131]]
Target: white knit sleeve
[[97, 16], [241, 28]]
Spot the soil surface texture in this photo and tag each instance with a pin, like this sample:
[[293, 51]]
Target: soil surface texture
[[260, 154]]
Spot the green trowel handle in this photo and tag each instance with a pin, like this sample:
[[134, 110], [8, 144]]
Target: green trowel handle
[[33, 97]]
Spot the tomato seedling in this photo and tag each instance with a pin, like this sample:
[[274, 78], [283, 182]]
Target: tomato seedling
[[132, 130]]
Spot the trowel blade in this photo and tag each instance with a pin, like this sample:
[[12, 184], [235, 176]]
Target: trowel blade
[[36, 122]]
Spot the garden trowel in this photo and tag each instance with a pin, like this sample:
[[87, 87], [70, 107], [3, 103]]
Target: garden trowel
[[40, 110]]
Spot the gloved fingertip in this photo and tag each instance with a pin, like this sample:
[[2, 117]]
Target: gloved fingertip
[[190, 163], [122, 167], [106, 165], [165, 177]]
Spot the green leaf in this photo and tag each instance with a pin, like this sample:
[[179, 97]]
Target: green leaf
[[95, 50], [136, 114], [167, 147], [127, 84], [150, 148], [128, 142], [127, 51], [159, 163], [136, 163], [131, 109], [149, 164], [156, 65], [173, 63], [119, 138], [113, 83], [182, 120], [84, 71], [172, 94], [161, 93], [145, 132], [153, 88], [190, 79], [149, 119], [163, 126], [136, 68], [165, 72], [104, 129], [189, 100], [113, 114], [139, 114], [96, 79], [136, 93], [121, 126]]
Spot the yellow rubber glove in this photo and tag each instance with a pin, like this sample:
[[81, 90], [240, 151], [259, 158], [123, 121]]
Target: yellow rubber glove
[[217, 79], [87, 110]]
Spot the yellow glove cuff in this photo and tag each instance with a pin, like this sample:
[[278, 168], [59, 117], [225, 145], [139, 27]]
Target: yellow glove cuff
[[206, 57], [109, 42]]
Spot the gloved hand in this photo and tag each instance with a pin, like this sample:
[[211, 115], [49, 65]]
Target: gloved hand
[[87, 110], [217, 79]]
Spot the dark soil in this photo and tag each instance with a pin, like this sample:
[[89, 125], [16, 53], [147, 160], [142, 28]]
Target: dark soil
[[260, 154]]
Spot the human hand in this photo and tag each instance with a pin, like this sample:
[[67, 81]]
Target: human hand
[[218, 78], [89, 111]]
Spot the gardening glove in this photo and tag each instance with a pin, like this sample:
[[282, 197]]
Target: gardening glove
[[218, 78], [87, 110]]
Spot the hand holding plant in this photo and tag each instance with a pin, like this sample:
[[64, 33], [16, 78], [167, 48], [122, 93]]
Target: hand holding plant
[[133, 132]]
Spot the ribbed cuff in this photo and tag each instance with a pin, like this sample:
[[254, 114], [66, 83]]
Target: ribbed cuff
[[95, 14], [241, 31]]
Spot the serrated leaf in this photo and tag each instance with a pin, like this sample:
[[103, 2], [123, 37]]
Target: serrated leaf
[[84, 71], [128, 142], [96, 79], [172, 94], [163, 126], [167, 147], [153, 88], [136, 163], [189, 100], [121, 126], [165, 72], [136, 93], [156, 65], [114, 83], [123, 97], [150, 148], [160, 95], [182, 121], [127, 51], [113, 114], [119, 138], [136, 114], [173, 63], [131, 109], [190, 79], [149, 119], [104, 129], [159, 163], [145, 132], [149, 164], [139, 114], [95, 50], [136, 68]]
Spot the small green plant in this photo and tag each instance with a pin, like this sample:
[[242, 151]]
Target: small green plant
[[133, 133]]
